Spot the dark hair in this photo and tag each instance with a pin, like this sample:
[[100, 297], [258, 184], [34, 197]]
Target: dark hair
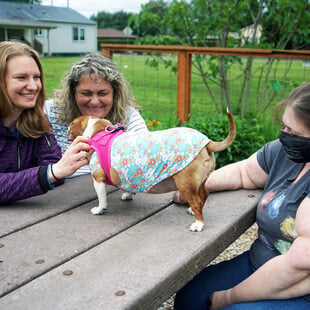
[[299, 100]]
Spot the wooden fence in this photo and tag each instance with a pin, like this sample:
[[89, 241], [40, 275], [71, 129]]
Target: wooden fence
[[185, 63]]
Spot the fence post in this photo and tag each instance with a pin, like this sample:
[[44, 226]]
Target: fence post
[[106, 52], [184, 85]]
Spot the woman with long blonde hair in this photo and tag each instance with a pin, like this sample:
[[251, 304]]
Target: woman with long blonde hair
[[30, 159]]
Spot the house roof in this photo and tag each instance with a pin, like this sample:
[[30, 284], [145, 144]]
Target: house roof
[[39, 16], [108, 33]]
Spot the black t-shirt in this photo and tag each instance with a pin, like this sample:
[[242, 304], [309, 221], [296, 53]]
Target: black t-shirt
[[277, 207]]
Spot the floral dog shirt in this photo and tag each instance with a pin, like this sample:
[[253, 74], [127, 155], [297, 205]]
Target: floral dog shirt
[[143, 159]]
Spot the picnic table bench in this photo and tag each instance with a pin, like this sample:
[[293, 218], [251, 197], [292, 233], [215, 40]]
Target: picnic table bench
[[54, 254]]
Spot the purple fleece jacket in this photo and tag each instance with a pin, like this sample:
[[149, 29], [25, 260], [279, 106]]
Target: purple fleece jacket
[[23, 164]]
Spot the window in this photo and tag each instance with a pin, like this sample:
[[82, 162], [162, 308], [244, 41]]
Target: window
[[38, 32], [78, 34], [82, 34]]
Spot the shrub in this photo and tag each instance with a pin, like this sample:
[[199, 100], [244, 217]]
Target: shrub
[[249, 137]]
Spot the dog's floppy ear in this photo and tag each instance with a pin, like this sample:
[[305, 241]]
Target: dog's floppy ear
[[75, 129]]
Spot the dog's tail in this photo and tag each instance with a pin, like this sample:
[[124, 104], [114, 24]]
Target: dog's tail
[[214, 146]]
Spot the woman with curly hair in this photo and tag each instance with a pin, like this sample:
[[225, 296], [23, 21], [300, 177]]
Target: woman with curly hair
[[93, 86]]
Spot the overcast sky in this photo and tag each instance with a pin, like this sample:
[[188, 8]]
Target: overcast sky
[[89, 7]]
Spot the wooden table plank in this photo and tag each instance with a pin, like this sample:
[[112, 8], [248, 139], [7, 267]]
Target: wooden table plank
[[19, 214], [147, 262], [58, 239]]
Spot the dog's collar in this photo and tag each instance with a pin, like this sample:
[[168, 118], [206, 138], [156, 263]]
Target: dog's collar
[[113, 128]]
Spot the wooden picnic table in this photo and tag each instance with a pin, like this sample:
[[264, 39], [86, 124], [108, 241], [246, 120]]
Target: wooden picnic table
[[54, 254]]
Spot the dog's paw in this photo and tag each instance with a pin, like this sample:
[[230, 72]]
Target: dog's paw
[[197, 226], [97, 210], [190, 211], [127, 196]]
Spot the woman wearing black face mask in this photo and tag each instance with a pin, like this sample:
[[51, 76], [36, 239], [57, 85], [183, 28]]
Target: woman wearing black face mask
[[275, 272]]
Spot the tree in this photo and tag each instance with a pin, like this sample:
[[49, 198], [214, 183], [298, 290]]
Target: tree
[[219, 23], [149, 21], [286, 24], [118, 20]]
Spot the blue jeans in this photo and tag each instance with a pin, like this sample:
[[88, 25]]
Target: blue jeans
[[194, 295]]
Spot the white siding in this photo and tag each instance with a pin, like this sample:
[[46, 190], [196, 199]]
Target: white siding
[[61, 39]]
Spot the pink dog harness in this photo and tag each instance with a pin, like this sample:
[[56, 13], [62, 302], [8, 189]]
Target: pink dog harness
[[103, 141]]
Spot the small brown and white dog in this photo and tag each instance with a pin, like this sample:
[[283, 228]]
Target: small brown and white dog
[[185, 170]]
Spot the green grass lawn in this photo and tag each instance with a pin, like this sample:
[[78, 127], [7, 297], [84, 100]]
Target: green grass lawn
[[54, 70]]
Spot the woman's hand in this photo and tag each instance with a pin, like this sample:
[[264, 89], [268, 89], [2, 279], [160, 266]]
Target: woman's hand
[[74, 158]]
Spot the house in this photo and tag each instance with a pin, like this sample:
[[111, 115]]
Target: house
[[50, 30], [251, 34], [108, 35], [246, 34]]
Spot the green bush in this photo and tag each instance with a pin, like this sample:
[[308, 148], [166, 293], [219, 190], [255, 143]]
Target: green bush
[[248, 140], [249, 137]]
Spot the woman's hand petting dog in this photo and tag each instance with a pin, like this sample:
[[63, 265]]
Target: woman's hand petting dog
[[74, 158]]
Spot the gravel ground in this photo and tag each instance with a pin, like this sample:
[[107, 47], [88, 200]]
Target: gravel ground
[[242, 244]]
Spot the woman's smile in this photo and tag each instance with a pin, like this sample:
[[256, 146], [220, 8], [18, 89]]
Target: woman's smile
[[94, 96], [23, 84]]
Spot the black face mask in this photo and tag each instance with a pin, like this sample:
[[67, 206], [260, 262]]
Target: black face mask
[[296, 147]]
